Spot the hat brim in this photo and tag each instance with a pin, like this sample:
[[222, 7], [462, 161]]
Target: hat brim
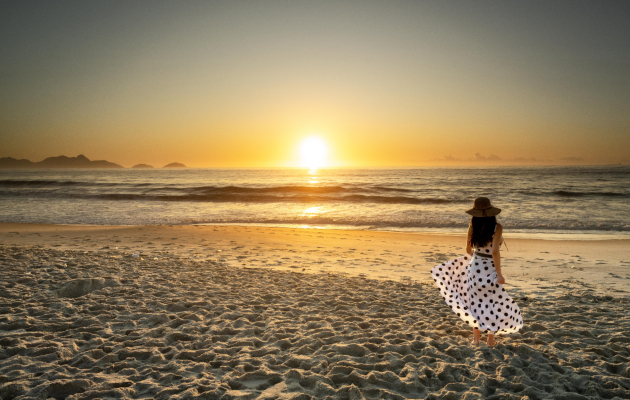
[[490, 212]]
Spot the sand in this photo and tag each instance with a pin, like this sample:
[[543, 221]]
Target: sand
[[253, 312]]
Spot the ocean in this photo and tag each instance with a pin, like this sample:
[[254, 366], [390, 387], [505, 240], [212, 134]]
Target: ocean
[[591, 201]]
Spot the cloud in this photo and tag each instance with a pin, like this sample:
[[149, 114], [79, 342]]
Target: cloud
[[476, 158], [493, 159]]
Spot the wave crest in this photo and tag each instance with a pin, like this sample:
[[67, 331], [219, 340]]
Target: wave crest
[[269, 198]]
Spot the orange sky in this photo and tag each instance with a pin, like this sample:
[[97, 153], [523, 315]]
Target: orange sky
[[241, 84]]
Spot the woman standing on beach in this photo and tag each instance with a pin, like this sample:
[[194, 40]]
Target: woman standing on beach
[[472, 285]]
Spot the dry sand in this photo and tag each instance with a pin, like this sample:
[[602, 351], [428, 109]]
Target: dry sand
[[254, 312]]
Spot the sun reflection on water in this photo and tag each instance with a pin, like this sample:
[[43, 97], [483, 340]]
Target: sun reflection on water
[[312, 211], [313, 178]]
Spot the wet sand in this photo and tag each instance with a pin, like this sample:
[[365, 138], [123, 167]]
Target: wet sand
[[255, 312]]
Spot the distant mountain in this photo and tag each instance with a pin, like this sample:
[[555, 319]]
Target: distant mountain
[[142, 166], [10, 162], [175, 165], [79, 161]]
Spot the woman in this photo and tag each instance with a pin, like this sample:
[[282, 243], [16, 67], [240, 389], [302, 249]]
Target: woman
[[472, 285]]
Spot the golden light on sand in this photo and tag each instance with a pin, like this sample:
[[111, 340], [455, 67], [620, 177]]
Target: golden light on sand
[[313, 153]]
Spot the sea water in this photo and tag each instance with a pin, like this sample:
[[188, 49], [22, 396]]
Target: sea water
[[589, 201]]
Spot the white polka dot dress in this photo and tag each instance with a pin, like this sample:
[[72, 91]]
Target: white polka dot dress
[[468, 285]]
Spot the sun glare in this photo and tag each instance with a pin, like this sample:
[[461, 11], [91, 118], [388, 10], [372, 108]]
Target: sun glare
[[313, 153]]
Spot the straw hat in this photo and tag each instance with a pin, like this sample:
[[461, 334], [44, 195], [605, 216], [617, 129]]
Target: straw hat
[[483, 208]]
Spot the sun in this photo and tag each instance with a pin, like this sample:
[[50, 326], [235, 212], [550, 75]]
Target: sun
[[313, 153]]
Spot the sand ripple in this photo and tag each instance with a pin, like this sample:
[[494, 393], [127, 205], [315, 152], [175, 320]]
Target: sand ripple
[[85, 325]]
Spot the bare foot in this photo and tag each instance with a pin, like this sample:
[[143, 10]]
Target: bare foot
[[491, 339], [475, 336]]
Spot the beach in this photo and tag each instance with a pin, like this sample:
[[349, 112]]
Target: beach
[[247, 312], [272, 200]]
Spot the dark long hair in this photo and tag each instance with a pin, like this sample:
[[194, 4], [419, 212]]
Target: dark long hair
[[482, 230]]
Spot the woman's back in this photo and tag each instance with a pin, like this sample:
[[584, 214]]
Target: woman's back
[[487, 248]]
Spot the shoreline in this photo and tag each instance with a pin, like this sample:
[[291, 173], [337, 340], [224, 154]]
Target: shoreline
[[534, 266], [552, 235]]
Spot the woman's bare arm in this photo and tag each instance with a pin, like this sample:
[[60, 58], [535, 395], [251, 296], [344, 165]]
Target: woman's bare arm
[[496, 254]]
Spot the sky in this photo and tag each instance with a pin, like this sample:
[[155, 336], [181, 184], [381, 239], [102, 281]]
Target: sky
[[381, 83]]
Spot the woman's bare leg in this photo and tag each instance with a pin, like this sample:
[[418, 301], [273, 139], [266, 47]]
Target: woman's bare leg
[[476, 334], [490, 338]]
